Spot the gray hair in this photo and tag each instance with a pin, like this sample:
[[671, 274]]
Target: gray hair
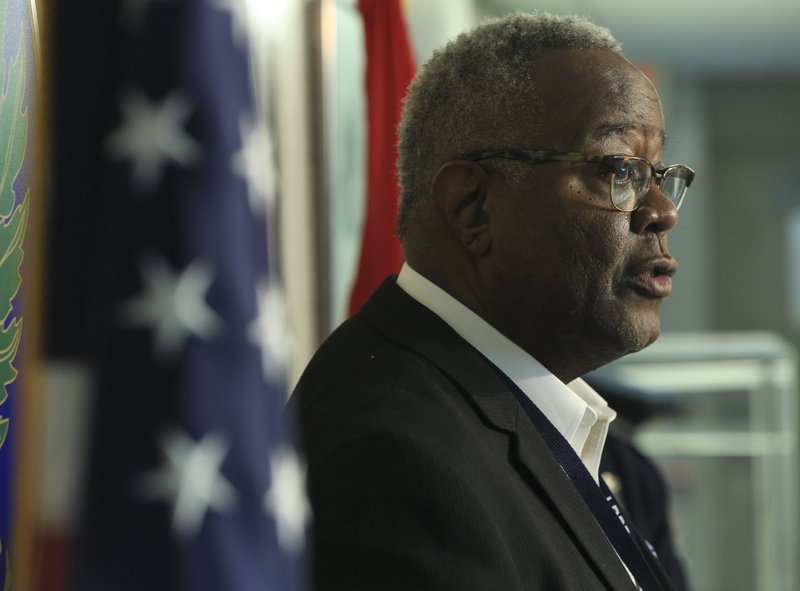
[[469, 86]]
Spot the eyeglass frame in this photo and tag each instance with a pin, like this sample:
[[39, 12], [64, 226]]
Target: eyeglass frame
[[535, 156]]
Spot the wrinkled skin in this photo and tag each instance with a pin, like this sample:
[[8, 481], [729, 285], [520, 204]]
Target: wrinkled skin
[[566, 274]]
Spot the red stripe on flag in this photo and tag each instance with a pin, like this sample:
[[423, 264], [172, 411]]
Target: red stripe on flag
[[390, 68]]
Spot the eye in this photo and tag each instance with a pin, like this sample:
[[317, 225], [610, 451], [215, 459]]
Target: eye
[[626, 171]]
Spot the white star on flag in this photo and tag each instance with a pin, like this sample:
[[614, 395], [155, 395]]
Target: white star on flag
[[173, 305], [151, 135], [286, 499], [255, 162], [269, 330], [190, 478], [240, 18]]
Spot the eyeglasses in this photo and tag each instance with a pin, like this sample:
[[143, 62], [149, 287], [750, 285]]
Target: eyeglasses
[[630, 176]]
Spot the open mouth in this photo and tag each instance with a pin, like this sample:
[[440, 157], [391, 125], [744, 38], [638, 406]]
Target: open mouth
[[654, 279]]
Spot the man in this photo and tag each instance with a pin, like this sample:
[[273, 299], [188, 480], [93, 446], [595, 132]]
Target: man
[[450, 443]]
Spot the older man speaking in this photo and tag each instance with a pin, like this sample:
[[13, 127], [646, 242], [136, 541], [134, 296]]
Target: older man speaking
[[451, 443]]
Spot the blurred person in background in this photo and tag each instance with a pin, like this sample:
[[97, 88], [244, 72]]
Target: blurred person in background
[[633, 477]]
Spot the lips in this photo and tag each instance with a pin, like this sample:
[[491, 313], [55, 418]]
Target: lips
[[653, 278]]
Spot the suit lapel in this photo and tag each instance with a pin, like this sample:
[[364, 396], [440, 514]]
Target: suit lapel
[[406, 322]]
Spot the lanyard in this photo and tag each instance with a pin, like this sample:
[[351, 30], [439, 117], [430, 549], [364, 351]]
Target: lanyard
[[599, 499]]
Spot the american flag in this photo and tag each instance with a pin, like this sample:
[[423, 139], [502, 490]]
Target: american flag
[[193, 482]]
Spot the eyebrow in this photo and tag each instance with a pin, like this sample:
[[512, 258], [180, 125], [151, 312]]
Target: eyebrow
[[609, 129]]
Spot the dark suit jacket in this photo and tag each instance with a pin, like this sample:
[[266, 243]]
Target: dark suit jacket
[[424, 473]]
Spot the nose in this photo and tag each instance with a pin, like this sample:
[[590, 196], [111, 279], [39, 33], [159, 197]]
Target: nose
[[655, 214]]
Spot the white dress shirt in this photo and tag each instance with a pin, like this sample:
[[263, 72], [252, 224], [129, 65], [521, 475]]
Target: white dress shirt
[[579, 413]]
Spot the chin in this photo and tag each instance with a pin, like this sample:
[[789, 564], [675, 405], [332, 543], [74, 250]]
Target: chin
[[628, 334], [642, 335], [644, 342]]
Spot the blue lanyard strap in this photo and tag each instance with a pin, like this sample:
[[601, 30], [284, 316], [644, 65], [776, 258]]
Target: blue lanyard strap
[[601, 502]]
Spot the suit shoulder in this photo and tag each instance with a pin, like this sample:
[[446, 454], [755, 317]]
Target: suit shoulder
[[361, 382], [355, 360]]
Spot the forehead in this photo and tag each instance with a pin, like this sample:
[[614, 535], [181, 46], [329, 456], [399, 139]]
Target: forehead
[[590, 96]]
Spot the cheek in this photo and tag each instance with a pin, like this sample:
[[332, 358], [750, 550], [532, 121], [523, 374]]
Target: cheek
[[565, 235], [590, 193], [598, 247]]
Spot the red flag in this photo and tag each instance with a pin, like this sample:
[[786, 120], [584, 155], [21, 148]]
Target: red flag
[[390, 68]]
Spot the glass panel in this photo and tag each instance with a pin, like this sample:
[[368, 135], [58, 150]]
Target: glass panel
[[727, 447]]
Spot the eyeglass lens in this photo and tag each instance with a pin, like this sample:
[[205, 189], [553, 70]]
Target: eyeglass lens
[[631, 181]]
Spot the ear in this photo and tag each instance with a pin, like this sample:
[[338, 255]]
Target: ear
[[459, 193]]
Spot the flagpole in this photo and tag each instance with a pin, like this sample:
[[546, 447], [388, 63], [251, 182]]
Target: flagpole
[[322, 54]]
